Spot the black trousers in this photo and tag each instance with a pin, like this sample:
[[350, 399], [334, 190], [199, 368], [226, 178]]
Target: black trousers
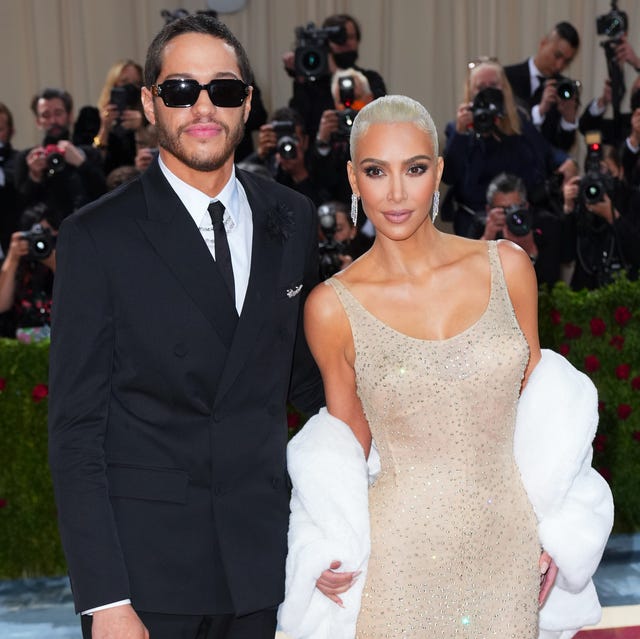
[[258, 625]]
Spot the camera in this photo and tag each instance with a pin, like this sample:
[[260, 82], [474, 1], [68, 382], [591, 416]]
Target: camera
[[487, 107], [612, 24], [345, 124], [347, 90], [53, 153], [595, 183], [567, 88], [312, 49], [518, 219], [287, 145], [329, 250], [41, 242], [125, 97]]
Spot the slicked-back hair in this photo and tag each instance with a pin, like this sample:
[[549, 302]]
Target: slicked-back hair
[[196, 23], [569, 33], [390, 109]]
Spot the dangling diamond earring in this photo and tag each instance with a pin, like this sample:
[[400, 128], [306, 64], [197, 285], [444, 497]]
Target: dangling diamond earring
[[354, 208], [436, 206]]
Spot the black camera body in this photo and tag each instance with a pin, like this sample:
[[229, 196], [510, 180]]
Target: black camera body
[[347, 90], [566, 88], [595, 184], [329, 250], [518, 219], [53, 153], [487, 107], [41, 242], [312, 49], [125, 97], [287, 144], [345, 123], [612, 24]]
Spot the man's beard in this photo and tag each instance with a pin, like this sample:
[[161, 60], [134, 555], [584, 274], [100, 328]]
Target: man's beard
[[213, 160]]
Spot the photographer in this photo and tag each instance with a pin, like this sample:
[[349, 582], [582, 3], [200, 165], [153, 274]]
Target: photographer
[[538, 84], [330, 151], [26, 276], [8, 205], [282, 149], [57, 173], [312, 94], [536, 231], [340, 241], [490, 136], [604, 218]]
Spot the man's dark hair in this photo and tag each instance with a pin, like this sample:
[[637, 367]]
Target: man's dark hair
[[569, 33], [197, 23], [287, 113], [506, 183], [52, 94], [4, 110], [340, 20]]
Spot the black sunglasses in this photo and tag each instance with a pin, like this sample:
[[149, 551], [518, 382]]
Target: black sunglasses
[[183, 93]]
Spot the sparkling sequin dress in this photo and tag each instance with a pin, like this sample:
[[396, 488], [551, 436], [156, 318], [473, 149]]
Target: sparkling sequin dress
[[454, 544]]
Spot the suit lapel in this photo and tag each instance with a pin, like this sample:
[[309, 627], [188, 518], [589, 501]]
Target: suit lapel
[[266, 257], [176, 239]]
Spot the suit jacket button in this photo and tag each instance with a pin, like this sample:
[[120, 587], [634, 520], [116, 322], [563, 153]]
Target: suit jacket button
[[180, 349]]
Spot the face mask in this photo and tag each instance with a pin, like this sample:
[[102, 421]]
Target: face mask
[[346, 59]]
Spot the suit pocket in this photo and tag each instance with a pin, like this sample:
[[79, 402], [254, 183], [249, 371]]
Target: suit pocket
[[153, 484]]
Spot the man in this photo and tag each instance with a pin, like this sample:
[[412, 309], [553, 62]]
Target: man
[[534, 83], [283, 154], [537, 232], [174, 348], [312, 98], [57, 173]]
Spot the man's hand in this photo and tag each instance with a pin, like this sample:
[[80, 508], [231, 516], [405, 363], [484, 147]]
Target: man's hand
[[332, 584], [267, 140], [625, 53], [328, 125], [570, 190], [634, 135], [72, 154], [36, 163], [548, 572], [604, 209], [143, 158], [568, 109], [495, 224], [549, 97], [605, 99], [119, 622]]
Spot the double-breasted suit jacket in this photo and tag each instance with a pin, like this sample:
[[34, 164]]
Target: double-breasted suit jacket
[[168, 411]]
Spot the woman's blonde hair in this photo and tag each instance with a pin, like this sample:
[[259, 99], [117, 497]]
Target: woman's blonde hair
[[112, 77], [391, 109], [509, 123]]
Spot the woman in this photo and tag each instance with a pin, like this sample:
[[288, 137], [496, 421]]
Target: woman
[[424, 344], [490, 136]]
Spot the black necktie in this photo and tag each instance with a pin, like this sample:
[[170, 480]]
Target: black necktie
[[537, 94], [223, 255]]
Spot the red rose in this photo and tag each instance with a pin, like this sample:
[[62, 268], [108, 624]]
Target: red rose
[[635, 383], [600, 443], [3, 384], [598, 327], [3, 503], [624, 410], [564, 349], [622, 315], [601, 406], [617, 341], [591, 363], [571, 331], [606, 473], [555, 316], [39, 392], [636, 435], [293, 420], [623, 371]]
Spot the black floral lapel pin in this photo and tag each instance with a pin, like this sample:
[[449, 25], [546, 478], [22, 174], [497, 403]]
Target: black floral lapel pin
[[279, 222]]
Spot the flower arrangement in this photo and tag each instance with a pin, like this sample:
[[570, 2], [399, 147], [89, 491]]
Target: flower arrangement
[[599, 333]]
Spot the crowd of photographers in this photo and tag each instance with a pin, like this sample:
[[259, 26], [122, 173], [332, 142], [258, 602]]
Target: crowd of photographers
[[510, 168]]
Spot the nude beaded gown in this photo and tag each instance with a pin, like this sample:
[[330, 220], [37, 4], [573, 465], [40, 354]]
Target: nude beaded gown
[[454, 544]]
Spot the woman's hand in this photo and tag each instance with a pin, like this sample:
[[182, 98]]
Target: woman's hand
[[464, 118], [332, 584], [548, 572]]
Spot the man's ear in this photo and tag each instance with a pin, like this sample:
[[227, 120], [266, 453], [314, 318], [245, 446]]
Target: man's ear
[[247, 104], [147, 104]]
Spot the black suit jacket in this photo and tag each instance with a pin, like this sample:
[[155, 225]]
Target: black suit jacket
[[168, 412], [520, 81]]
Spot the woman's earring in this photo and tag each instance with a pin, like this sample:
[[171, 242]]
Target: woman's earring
[[354, 208], [436, 206]]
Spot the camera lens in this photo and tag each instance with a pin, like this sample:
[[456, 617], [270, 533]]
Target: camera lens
[[311, 60]]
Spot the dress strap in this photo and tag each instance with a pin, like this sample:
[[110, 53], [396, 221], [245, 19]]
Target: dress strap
[[499, 290]]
